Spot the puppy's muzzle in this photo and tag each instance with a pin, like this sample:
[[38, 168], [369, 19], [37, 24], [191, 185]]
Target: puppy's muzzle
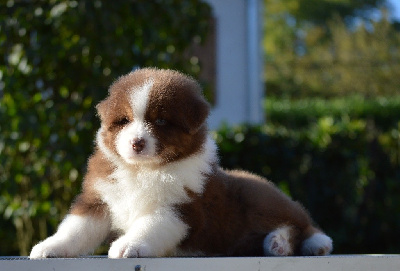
[[138, 144]]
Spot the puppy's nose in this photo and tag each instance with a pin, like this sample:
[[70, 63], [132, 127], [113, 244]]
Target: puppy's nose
[[138, 144]]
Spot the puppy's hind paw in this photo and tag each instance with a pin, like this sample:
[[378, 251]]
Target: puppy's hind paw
[[318, 244], [277, 243]]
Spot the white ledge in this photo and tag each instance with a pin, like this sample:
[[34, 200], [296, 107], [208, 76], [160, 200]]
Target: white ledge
[[326, 263]]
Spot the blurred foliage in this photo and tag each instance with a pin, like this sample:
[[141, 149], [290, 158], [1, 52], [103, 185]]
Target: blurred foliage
[[57, 60], [318, 12], [333, 49], [384, 112], [343, 167]]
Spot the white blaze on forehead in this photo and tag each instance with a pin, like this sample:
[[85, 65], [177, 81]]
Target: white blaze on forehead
[[139, 99], [138, 129]]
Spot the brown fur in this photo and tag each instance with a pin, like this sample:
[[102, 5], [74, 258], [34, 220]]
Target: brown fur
[[235, 213], [89, 202]]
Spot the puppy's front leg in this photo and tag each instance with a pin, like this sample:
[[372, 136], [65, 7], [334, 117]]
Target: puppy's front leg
[[76, 235], [153, 235]]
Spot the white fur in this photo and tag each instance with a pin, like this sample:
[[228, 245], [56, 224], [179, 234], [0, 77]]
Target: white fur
[[318, 244], [276, 243], [136, 130], [76, 235], [141, 200], [154, 234], [140, 98]]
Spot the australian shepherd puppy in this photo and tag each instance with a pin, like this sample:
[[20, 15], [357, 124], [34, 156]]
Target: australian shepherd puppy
[[154, 182]]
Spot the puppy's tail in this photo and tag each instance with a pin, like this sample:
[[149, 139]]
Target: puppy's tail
[[316, 243]]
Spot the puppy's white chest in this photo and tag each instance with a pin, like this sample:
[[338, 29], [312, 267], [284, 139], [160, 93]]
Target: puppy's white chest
[[131, 195], [134, 193]]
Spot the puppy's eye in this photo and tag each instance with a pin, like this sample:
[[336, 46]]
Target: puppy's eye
[[121, 122], [160, 122]]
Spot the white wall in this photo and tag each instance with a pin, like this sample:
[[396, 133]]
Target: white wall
[[239, 87]]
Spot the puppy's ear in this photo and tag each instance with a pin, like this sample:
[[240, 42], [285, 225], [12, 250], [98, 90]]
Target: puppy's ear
[[195, 114], [102, 109]]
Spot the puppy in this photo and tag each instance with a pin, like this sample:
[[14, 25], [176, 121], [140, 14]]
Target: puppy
[[154, 182]]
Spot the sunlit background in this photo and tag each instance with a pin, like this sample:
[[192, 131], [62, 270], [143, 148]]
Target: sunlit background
[[331, 88]]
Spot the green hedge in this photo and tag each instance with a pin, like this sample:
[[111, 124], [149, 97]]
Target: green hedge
[[341, 163], [383, 111]]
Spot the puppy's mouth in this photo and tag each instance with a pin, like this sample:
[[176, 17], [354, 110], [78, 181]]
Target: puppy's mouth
[[142, 159], [140, 152]]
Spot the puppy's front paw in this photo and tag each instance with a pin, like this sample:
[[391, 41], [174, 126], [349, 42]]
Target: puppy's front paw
[[124, 248], [49, 248], [318, 244]]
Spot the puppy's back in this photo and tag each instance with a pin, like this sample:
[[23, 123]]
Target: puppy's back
[[262, 196], [235, 213]]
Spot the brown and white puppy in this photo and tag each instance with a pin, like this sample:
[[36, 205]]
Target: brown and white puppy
[[154, 180]]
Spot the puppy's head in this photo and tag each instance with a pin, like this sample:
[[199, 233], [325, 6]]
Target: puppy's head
[[152, 116]]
